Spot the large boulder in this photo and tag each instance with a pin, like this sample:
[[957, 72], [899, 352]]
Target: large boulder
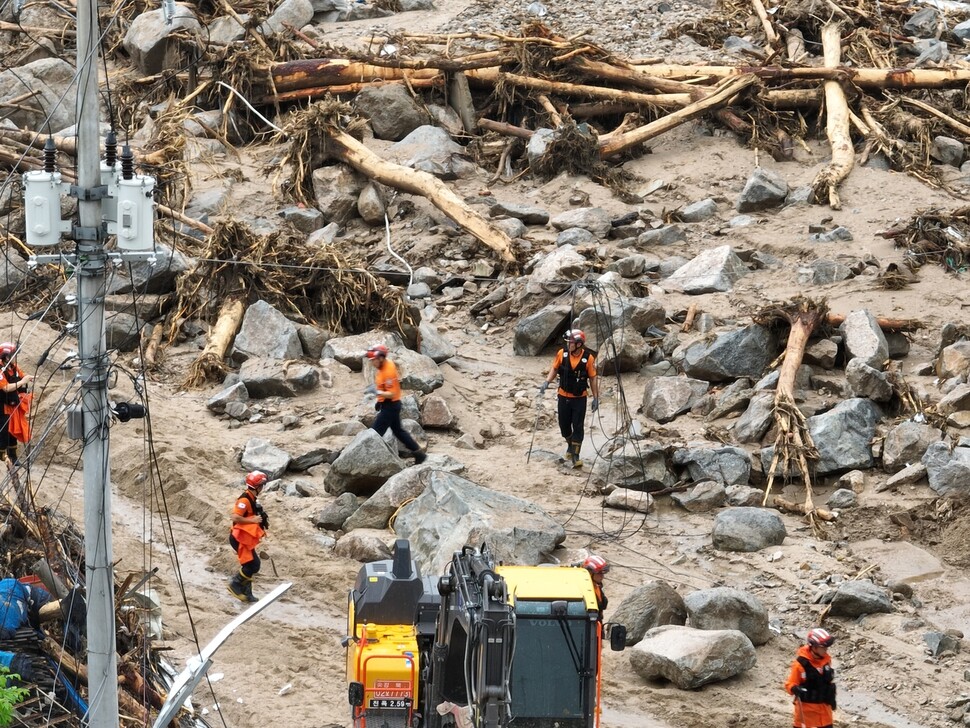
[[748, 529], [148, 40], [690, 658], [742, 353], [650, 605], [727, 608], [266, 332], [363, 466], [453, 512], [636, 466]]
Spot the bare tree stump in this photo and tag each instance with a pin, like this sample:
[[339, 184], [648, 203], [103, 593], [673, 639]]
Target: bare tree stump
[[827, 181]]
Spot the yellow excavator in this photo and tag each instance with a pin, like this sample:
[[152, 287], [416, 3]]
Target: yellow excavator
[[483, 646]]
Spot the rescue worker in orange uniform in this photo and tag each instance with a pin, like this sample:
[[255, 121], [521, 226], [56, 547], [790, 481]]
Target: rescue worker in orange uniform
[[249, 525], [14, 425], [811, 681], [598, 567], [387, 387], [575, 365]]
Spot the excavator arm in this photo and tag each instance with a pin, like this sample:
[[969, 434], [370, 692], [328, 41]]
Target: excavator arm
[[471, 657]]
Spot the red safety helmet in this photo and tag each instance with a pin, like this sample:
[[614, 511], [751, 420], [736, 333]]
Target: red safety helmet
[[7, 349], [596, 565], [576, 336], [376, 351], [820, 637], [256, 479]]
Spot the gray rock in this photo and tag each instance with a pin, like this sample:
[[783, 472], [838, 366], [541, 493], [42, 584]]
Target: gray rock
[[336, 189], [292, 13], [234, 393], [313, 339], [392, 111], [155, 278], [726, 465], [743, 495], [842, 437], [948, 472], [727, 608], [822, 353], [763, 189], [535, 332], [406, 485], [511, 226], [748, 529], [957, 399], [274, 378], [740, 353], [594, 219], [691, 658], [649, 605], [148, 39], [629, 500], [260, 454], [858, 597], [666, 235], [529, 214], [333, 516], [909, 475], [624, 313], [304, 219], [363, 466], [864, 381], [122, 331], [703, 497], [554, 270], [351, 351], [13, 271], [822, 272], [635, 466], [939, 642], [907, 443], [265, 332], [666, 397], [954, 360], [453, 512], [370, 204], [843, 498], [756, 420], [430, 149], [699, 211], [625, 351], [632, 266], [364, 545], [924, 23], [433, 344], [717, 269], [962, 30], [575, 237], [947, 150]]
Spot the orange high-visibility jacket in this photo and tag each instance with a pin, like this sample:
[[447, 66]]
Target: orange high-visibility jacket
[[808, 715]]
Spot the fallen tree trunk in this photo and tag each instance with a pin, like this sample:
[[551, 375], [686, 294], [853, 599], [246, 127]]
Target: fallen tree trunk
[[318, 92], [718, 98], [886, 324], [314, 72], [349, 150], [893, 78], [792, 507], [827, 181], [210, 362]]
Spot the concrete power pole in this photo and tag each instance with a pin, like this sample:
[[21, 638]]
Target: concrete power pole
[[91, 265]]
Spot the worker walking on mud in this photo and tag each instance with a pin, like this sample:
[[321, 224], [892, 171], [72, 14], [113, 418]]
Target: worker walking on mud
[[387, 387], [249, 525], [598, 567], [14, 424], [575, 365], [811, 682]]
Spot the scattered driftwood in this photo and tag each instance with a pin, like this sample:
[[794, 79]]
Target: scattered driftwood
[[827, 181], [934, 236]]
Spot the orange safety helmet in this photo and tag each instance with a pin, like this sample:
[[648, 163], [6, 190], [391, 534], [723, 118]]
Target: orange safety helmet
[[8, 349], [596, 565], [256, 479], [376, 351], [576, 336], [820, 637]]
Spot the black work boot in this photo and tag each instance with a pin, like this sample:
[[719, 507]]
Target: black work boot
[[574, 450], [238, 587], [419, 457], [248, 589], [567, 457]]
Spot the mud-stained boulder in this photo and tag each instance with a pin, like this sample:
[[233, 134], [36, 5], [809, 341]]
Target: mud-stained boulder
[[332, 517], [864, 339], [365, 545], [748, 529], [150, 40], [266, 332], [690, 658], [351, 351], [629, 500], [858, 597], [907, 443], [726, 464], [637, 466], [453, 512], [265, 456], [417, 371], [363, 466], [745, 352], [727, 608], [650, 605]]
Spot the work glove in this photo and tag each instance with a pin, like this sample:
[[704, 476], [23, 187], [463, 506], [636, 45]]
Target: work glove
[[370, 389], [543, 387], [596, 404], [800, 692], [263, 518]]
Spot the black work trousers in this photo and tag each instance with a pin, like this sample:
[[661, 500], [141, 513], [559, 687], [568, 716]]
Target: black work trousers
[[389, 416], [572, 415], [250, 568]]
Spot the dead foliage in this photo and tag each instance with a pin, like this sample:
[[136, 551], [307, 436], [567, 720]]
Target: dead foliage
[[315, 285], [935, 236]]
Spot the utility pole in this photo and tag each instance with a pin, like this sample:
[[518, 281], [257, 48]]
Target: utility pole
[[89, 236]]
